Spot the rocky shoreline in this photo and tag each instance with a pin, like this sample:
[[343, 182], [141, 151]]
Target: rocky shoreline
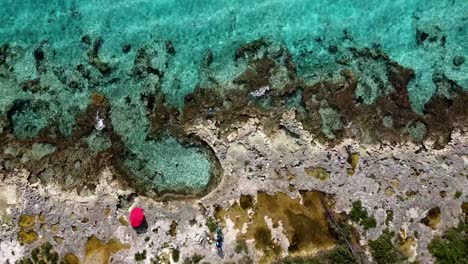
[[401, 180]]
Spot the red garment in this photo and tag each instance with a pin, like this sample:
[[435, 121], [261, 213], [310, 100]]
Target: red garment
[[136, 217]]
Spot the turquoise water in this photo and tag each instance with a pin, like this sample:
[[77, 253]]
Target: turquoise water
[[195, 26], [423, 35]]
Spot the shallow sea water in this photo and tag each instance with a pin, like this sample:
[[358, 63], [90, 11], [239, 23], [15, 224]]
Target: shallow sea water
[[423, 35]]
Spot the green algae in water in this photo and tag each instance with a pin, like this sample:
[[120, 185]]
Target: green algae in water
[[295, 100], [417, 131], [158, 164], [388, 121], [40, 150], [168, 166], [98, 142], [331, 121], [28, 123]]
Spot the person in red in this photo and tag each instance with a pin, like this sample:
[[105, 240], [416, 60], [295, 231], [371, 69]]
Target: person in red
[[138, 220]]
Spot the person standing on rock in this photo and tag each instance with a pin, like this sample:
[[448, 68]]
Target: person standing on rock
[[138, 220]]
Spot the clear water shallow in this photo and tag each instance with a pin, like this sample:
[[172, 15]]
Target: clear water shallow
[[196, 26]]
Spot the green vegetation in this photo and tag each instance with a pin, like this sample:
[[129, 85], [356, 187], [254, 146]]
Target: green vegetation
[[359, 215], [452, 247], [193, 260], [196, 258], [302, 260], [140, 256], [458, 194], [175, 254], [246, 201], [264, 241], [241, 246], [357, 212], [389, 217], [211, 224], [368, 223], [384, 251], [341, 254], [43, 254]]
